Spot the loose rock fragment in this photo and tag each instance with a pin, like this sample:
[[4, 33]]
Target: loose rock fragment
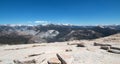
[[98, 44], [105, 47], [25, 62], [115, 48], [68, 50], [65, 59], [80, 45], [114, 51], [35, 54], [54, 60], [72, 43]]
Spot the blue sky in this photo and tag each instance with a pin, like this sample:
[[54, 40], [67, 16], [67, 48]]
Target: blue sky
[[81, 12]]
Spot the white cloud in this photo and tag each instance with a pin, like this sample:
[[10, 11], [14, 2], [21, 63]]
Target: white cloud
[[41, 22]]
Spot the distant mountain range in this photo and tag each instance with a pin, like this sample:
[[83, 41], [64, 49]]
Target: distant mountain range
[[24, 34]]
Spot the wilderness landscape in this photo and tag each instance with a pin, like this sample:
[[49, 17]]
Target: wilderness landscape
[[59, 31], [59, 44]]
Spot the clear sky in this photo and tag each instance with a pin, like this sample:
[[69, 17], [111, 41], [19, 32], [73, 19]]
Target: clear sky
[[82, 12]]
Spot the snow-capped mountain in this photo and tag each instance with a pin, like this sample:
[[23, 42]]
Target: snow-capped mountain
[[20, 34]]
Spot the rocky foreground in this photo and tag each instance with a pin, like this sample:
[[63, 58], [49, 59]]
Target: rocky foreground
[[99, 51]]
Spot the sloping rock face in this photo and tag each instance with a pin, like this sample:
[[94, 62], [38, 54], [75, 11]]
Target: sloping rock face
[[106, 31], [52, 33], [48, 36], [83, 34]]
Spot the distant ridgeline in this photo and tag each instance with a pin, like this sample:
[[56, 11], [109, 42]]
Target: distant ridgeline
[[52, 33]]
